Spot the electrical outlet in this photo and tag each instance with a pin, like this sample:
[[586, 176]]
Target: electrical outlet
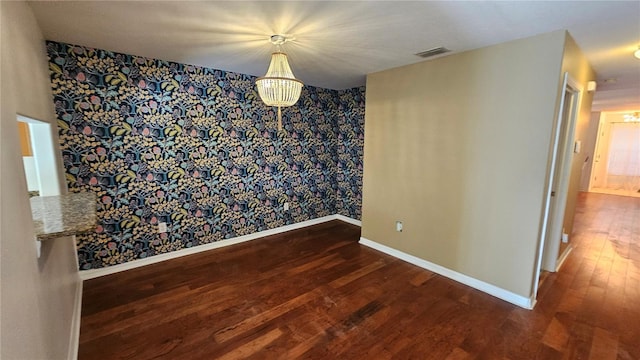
[[399, 226], [565, 238], [286, 206], [162, 227]]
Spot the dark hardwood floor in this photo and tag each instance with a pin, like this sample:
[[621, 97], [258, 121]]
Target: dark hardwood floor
[[316, 293]]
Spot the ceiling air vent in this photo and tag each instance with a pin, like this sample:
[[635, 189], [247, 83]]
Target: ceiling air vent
[[433, 52]]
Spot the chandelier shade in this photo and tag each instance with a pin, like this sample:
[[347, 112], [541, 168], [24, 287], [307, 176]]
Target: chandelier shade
[[279, 87]]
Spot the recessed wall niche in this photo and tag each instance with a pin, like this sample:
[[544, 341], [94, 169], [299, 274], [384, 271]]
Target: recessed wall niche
[[38, 157]]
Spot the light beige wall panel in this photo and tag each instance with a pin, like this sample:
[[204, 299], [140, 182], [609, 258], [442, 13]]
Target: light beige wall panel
[[37, 299], [457, 149]]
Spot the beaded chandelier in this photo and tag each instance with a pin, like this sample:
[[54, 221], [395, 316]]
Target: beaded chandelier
[[279, 87]]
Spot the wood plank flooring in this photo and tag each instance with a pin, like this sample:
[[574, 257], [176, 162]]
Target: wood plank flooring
[[315, 293]]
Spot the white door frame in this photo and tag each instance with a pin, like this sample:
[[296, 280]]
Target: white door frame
[[560, 162], [595, 164]]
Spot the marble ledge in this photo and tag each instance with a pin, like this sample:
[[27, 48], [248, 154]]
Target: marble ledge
[[63, 215]]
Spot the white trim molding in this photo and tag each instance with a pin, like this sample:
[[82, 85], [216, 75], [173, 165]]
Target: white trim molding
[[490, 289], [563, 257], [349, 220], [94, 273], [74, 341]]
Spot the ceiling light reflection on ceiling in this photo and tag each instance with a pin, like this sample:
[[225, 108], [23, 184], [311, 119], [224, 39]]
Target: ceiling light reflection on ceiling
[[635, 117], [279, 87], [637, 53]]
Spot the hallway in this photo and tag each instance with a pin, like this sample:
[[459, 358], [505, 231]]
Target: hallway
[[595, 297]]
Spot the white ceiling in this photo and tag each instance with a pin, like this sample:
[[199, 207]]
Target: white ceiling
[[338, 42]]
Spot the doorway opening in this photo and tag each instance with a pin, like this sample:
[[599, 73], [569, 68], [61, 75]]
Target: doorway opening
[[38, 155], [616, 166]]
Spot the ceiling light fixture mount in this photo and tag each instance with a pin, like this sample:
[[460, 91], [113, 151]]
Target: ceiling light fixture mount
[[279, 87], [278, 39]]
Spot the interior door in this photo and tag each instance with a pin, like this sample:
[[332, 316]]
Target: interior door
[[559, 176]]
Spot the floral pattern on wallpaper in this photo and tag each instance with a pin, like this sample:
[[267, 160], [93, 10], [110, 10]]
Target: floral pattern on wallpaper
[[349, 152], [194, 147]]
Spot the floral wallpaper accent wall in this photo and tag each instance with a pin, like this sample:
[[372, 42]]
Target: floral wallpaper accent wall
[[196, 148], [349, 152]]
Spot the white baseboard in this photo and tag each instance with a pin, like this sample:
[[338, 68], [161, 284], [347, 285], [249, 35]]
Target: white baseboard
[[563, 257], [74, 341], [349, 220], [94, 273], [490, 289]]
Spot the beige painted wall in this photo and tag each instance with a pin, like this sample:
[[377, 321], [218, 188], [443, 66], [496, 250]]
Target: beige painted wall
[[38, 295], [457, 148], [575, 63]]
